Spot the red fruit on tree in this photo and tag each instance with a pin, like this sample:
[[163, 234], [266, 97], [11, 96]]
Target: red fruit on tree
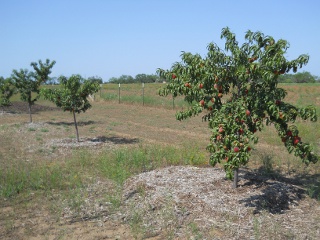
[[296, 140], [252, 59], [221, 130], [278, 102], [173, 76], [248, 112], [236, 149], [280, 115], [200, 85], [241, 131], [202, 102], [289, 133]]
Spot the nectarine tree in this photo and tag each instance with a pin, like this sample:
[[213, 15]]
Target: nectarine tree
[[72, 95], [238, 89]]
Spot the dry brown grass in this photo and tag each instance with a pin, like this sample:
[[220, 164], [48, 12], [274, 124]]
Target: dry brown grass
[[273, 201]]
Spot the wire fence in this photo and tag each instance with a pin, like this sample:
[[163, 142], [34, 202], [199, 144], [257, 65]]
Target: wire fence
[[145, 94]]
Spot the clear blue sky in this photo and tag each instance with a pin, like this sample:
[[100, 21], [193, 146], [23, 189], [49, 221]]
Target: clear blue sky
[[114, 37]]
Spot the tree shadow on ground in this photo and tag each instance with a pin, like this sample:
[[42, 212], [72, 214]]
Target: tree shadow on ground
[[276, 195], [80, 123], [114, 140], [277, 192], [22, 107]]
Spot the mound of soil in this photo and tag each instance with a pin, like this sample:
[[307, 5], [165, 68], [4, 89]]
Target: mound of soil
[[202, 196], [173, 200]]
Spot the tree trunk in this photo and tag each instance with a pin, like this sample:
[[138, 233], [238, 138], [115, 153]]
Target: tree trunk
[[76, 125], [30, 112], [235, 178]]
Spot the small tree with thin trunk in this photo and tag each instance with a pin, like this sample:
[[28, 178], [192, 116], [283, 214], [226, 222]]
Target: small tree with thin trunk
[[28, 83], [237, 89], [6, 91], [72, 95]]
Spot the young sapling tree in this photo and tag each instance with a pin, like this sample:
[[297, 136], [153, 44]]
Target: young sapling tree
[[28, 83], [72, 95]]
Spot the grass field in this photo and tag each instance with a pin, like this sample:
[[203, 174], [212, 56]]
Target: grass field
[[146, 94], [54, 188]]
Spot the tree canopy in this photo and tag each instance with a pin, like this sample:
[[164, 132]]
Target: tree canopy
[[237, 89], [6, 91], [96, 79]]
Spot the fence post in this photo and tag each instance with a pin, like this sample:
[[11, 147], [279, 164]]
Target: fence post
[[142, 94], [119, 93]]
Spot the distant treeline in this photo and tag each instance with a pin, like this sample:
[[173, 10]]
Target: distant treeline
[[56, 81], [304, 77], [139, 78]]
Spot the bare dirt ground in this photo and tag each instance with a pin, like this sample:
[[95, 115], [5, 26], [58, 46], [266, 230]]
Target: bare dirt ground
[[172, 203]]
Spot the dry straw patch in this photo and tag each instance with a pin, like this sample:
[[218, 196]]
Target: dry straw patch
[[260, 208], [185, 202]]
